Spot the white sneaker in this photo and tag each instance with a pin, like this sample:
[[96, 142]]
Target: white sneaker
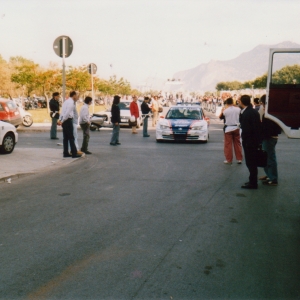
[[239, 162], [227, 162]]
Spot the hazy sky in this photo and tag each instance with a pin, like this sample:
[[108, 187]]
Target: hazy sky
[[144, 38]]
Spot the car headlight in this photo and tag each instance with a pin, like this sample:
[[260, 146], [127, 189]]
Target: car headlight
[[164, 127], [197, 128]]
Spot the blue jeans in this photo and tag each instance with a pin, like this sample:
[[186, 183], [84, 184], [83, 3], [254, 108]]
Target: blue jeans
[[115, 134], [271, 168], [145, 126]]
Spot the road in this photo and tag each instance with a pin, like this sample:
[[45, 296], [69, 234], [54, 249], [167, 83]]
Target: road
[[150, 221]]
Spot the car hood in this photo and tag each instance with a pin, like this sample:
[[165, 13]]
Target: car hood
[[125, 113], [7, 125]]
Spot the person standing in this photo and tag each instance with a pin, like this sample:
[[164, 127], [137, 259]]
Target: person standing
[[115, 119], [231, 116], [67, 125], [84, 121], [154, 111], [54, 114], [75, 125], [270, 131], [134, 111], [251, 128], [145, 111]]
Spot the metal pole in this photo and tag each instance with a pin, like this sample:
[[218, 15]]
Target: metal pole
[[64, 68], [92, 88]]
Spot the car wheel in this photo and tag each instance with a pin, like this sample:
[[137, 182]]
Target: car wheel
[[93, 128], [8, 143], [27, 121]]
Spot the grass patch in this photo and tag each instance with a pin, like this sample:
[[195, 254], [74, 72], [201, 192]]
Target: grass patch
[[41, 115]]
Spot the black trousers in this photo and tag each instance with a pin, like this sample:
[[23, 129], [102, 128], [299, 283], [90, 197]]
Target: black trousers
[[68, 137], [251, 161]]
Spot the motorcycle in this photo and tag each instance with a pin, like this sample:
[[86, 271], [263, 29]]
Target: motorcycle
[[27, 120], [98, 121]]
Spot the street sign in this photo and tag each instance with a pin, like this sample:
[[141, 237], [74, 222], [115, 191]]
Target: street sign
[[63, 47], [92, 68], [58, 46]]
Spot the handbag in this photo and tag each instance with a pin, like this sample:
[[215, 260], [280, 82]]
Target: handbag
[[261, 158], [160, 109]]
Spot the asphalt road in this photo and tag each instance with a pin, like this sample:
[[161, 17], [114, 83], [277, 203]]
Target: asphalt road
[[150, 221]]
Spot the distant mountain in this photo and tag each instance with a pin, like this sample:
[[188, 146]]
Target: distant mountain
[[246, 66]]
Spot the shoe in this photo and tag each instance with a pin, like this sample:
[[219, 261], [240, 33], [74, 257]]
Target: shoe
[[113, 144], [76, 156], [264, 178], [249, 186], [134, 133], [118, 143], [55, 138], [239, 162], [147, 135], [271, 182], [87, 152], [67, 155], [227, 162], [79, 152]]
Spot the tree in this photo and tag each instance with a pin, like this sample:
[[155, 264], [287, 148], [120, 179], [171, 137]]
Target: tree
[[260, 82], [25, 74], [287, 75]]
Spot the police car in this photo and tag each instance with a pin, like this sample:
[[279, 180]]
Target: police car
[[183, 122]]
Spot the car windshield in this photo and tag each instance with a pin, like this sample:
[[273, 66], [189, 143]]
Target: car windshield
[[184, 113], [11, 105], [124, 105]]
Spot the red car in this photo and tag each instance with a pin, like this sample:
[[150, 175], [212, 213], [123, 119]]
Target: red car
[[9, 112]]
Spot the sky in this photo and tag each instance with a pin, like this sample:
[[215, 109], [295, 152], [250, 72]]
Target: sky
[[144, 38]]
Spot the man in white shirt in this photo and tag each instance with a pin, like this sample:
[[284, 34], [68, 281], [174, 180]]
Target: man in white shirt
[[232, 136], [66, 118], [84, 121]]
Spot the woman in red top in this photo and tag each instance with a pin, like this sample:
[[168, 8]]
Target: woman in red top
[[134, 111]]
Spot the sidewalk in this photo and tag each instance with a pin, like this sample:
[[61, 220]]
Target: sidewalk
[[28, 161]]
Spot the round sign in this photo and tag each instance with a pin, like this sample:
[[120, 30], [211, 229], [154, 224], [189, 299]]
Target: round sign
[[92, 68], [58, 46]]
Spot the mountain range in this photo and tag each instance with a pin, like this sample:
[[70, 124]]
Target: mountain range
[[246, 66]]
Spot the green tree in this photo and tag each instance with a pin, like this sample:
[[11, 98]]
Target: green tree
[[287, 75], [25, 74]]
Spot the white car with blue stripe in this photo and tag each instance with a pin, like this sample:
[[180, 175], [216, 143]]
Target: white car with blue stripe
[[183, 122]]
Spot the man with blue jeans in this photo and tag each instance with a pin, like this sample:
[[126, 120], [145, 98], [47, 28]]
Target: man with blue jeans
[[145, 111], [270, 131]]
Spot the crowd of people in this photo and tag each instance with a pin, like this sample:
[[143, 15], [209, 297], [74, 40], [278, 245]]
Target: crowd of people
[[245, 127], [69, 119], [244, 122]]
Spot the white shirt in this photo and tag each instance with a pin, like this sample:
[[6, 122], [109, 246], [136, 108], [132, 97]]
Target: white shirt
[[67, 110], [84, 116], [232, 118]]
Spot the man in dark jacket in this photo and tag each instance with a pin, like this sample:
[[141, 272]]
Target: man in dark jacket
[[54, 114], [116, 120], [270, 131], [251, 128], [145, 111]]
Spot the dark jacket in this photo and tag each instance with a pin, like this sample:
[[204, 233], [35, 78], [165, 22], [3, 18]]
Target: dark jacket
[[145, 108], [251, 127], [115, 114], [269, 128], [54, 106]]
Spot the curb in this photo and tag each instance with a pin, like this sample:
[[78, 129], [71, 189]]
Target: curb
[[20, 175], [13, 176]]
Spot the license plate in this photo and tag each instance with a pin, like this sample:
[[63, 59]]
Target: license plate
[[124, 120]]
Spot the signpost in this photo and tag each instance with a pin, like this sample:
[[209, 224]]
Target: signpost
[[92, 69], [63, 47]]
